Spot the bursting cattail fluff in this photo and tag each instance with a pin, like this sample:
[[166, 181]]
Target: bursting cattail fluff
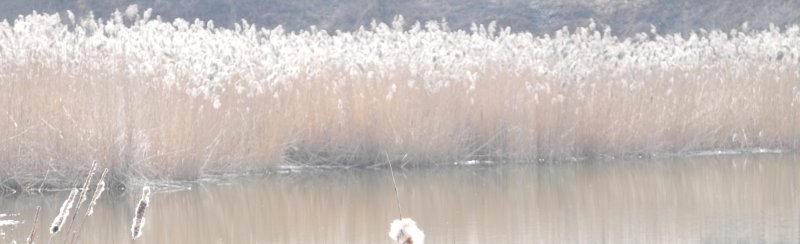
[[405, 231], [138, 220], [64, 213], [85, 187], [101, 186]]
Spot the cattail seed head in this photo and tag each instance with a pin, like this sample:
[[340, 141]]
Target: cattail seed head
[[85, 187], [138, 220], [405, 231], [58, 222], [101, 186]]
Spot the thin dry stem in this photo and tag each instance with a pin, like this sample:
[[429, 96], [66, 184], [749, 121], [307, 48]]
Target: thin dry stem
[[32, 235], [394, 183]]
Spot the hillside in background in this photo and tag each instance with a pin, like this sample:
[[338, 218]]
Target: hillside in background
[[538, 16]]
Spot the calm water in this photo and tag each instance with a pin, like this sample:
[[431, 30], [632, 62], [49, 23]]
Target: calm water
[[721, 199]]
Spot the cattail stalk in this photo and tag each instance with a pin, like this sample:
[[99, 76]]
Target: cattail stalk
[[58, 222], [403, 230], [32, 236], [86, 185], [394, 183], [83, 190], [98, 191], [138, 220]]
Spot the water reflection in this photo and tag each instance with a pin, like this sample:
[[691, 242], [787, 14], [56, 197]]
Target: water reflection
[[727, 199]]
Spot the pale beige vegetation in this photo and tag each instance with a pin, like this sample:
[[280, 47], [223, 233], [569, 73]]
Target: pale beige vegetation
[[162, 100]]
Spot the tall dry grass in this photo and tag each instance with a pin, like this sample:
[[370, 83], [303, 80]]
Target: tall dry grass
[[162, 100]]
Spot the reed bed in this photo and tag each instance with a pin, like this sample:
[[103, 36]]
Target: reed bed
[[153, 99]]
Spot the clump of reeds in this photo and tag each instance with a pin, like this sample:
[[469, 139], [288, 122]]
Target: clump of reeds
[[439, 95], [138, 220], [58, 222], [405, 231]]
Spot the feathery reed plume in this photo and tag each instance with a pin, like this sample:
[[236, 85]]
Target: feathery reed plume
[[405, 231], [98, 191], [32, 236], [58, 222], [138, 220]]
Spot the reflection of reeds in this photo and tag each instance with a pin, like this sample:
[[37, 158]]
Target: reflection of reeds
[[138, 220]]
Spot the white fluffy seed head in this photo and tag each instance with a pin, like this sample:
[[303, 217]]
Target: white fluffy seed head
[[58, 222], [405, 231], [98, 191]]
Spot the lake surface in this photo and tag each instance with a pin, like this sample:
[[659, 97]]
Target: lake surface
[[709, 199]]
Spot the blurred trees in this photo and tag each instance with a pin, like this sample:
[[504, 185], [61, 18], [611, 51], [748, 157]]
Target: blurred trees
[[538, 16]]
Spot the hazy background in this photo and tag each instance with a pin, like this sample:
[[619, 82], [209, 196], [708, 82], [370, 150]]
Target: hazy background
[[538, 16]]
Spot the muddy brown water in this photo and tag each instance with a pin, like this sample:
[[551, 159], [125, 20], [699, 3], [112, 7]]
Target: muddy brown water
[[708, 199]]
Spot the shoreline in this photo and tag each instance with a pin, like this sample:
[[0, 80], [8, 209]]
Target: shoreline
[[165, 185]]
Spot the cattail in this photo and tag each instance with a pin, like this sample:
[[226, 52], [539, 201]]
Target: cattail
[[405, 231], [101, 186], [138, 220], [64, 213], [85, 187]]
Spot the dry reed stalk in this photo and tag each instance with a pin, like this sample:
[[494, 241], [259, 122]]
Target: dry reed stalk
[[394, 183], [32, 236], [138, 220], [59, 221]]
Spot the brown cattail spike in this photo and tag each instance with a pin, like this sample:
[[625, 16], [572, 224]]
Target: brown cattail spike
[[138, 220]]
